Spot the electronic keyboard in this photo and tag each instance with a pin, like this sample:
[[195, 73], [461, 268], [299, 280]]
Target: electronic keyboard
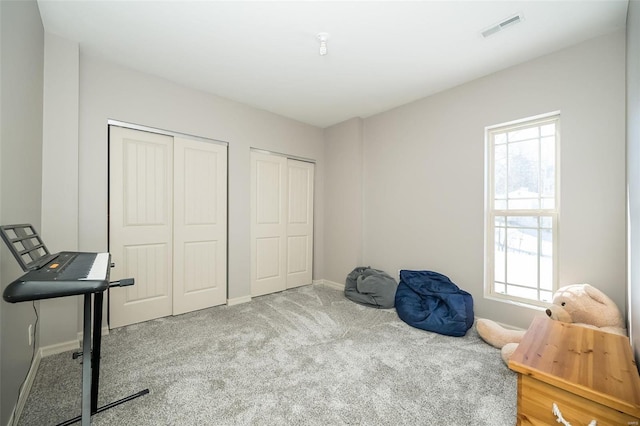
[[65, 274]]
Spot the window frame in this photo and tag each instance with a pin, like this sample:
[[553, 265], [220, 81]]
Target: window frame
[[491, 212]]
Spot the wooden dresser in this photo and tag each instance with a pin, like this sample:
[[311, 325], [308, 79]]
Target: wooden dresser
[[573, 375]]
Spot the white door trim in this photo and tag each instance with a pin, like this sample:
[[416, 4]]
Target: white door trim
[[279, 154], [133, 126]]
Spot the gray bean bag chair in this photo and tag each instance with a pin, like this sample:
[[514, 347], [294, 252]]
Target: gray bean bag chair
[[371, 287]]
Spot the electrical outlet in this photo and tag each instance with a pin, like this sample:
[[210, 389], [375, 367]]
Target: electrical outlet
[[30, 338]]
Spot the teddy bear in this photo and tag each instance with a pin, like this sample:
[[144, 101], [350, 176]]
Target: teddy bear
[[582, 304]]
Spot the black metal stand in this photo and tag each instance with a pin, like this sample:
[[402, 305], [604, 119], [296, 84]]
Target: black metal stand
[[44, 279], [91, 362]]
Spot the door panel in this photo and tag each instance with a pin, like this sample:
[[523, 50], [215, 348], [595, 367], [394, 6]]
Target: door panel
[[200, 225], [268, 226], [142, 261], [299, 223], [140, 224]]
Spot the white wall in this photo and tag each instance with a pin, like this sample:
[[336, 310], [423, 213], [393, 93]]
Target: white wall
[[343, 203], [424, 172], [108, 91], [60, 176], [21, 82]]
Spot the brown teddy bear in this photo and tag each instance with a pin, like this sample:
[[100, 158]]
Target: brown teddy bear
[[577, 303]]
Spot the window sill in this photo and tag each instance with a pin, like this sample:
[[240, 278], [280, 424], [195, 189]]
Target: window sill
[[540, 306]]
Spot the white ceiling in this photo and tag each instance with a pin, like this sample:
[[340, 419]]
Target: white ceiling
[[382, 54]]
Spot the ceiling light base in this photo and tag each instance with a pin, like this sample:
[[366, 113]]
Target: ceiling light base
[[322, 38]]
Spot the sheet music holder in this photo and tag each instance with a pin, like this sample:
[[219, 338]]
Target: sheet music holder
[[66, 274], [26, 246]]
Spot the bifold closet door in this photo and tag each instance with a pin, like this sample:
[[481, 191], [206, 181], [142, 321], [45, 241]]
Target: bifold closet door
[[281, 223], [167, 224], [140, 224]]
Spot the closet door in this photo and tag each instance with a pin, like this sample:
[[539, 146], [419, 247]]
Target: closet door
[[200, 225], [299, 223], [268, 223], [140, 224], [167, 224]]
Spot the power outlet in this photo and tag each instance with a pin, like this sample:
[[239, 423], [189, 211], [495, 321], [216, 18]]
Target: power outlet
[[30, 337]]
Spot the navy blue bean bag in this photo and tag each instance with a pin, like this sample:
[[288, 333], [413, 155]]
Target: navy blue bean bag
[[430, 301]]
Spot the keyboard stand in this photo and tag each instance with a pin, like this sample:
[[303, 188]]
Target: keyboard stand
[[33, 256], [91, 361]]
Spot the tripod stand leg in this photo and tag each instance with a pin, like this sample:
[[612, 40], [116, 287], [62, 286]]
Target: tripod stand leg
[[106, 407]]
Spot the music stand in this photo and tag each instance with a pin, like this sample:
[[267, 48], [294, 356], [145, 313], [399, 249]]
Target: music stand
[[26, 246]]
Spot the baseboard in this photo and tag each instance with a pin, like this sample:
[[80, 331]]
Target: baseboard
[[71, 345], [59, 348], [105, 332], [26, 388], [331, 284], [507, 326], [238, 300]]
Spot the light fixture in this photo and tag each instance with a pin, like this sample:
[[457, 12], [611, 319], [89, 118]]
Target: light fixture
[[322, 38]]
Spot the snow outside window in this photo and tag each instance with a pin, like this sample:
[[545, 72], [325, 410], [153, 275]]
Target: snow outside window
[[522, 209]]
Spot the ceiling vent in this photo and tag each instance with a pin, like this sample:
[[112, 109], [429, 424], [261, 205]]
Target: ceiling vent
[[502, 25]]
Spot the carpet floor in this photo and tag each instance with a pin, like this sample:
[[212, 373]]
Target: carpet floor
[[306, 356]]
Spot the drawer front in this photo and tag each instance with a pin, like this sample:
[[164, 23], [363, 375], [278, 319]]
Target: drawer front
[[536, 400]]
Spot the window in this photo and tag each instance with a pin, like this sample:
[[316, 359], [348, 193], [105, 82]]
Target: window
[[522, 209]]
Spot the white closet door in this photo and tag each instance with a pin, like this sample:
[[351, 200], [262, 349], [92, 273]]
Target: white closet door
[[140, 224], [299, 223], [268, 223], [200, 225]]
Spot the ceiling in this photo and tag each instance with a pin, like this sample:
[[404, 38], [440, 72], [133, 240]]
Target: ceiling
[[381, 54]]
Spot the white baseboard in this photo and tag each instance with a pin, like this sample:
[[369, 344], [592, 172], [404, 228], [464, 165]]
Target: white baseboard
[[331, 284], [26, 388], [71, 345], [238, 300], [59, 348], [105, 332]]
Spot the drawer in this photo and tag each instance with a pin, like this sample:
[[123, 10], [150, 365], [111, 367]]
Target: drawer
[[536, 400]]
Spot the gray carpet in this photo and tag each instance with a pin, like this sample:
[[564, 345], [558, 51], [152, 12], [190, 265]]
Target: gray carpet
[[306, 356]]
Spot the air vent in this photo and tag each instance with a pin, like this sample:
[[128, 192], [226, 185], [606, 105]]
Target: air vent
[[502, 25]]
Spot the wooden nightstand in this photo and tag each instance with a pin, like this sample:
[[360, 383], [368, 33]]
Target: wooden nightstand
[[573, 375]]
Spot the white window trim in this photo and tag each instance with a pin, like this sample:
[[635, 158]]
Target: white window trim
[[491, 213]]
